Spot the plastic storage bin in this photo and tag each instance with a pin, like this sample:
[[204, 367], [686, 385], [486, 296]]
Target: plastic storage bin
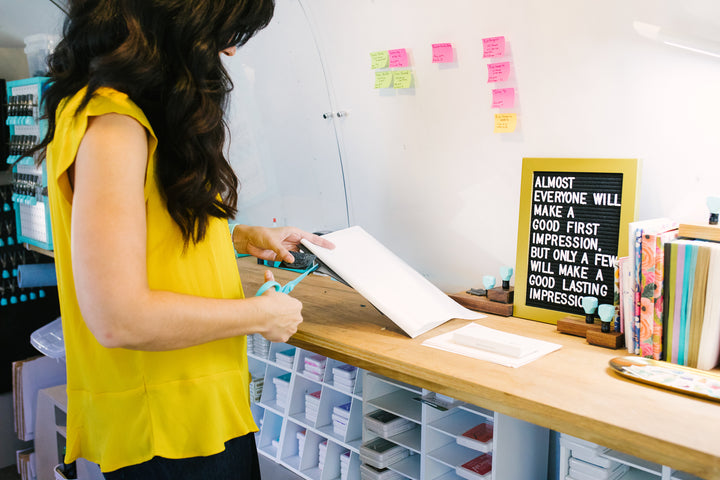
[[37, 49], [49, 339]]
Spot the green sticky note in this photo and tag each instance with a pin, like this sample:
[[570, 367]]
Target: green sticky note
[[383, 79], [402, 78], [379, 59]]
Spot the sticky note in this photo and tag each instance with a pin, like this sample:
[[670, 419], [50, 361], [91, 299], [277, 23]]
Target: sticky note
[[503, 98], [498, 72], [383, 79], [379, 59], [402, 78], [505, 122], [493, 47], [442, 53], [398, 57]]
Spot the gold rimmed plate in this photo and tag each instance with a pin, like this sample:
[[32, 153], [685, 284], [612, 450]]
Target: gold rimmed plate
[[686, 380]]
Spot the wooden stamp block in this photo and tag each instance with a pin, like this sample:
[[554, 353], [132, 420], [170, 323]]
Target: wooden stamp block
[[482, 304], [575, 326], [612, 340], [498, 294]]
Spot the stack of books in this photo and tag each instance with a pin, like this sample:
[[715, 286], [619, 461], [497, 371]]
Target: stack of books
[[479, 468], [669, 293], [256, 388], [285, 358], [344, 464], [368, 472], [386, 424], [282, 388], [322, 452], [344, 378], [640, 284], [381, 453], [478, 437], [692, 300], [258, 345], [301, 442], [315, 367], [586, 461], [340, 418], [312, 406]]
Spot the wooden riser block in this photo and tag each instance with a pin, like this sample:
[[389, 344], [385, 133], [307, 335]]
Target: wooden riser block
[[575, 326], [497, 294], [612, 340], [482, 304], [591, 331]]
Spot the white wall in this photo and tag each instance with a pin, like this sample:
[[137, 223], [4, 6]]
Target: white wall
[[426, 175]]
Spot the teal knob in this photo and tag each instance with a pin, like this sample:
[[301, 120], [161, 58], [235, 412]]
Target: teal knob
[[607, 313], [506, 274], [589, 305], [488, 282]]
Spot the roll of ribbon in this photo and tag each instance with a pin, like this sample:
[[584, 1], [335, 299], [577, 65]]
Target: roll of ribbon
[[36, 275]]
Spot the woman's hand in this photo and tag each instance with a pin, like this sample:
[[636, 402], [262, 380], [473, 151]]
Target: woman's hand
[[284, 314], [273, 244]]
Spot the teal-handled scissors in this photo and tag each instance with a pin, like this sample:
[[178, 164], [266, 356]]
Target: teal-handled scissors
[[288, 286]]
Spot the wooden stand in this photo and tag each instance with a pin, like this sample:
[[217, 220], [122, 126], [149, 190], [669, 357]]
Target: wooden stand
[[591, 331], [575, 326], [482, 304], [612, 340], [499, 294]]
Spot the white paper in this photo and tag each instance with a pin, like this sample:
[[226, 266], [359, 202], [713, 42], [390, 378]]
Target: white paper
[[396, 289], [539, 348]]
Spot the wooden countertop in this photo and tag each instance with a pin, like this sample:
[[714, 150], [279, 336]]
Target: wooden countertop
[[571, 390]]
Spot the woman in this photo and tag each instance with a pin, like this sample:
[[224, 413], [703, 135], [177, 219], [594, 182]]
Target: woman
[[140, 191]]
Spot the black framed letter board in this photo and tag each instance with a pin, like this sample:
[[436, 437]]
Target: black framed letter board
[[571, 223]]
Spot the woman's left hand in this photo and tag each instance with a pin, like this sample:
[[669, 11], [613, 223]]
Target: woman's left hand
[[273, 244]]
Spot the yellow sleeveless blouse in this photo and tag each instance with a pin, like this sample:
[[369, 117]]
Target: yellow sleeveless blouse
[[127, 406]]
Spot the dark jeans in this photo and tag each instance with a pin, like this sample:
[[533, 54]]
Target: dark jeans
[[239, 461]]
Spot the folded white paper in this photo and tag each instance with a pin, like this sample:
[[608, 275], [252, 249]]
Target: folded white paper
[[396, 289], [523, 350]]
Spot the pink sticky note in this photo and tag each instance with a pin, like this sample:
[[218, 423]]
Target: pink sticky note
[[503, 98], [498, 72], [442, 53], [398, 57], [493, 47]]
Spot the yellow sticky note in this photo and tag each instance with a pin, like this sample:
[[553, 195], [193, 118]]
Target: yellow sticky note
[[379, 59], [505, 122], [402, 78], [383, 79]]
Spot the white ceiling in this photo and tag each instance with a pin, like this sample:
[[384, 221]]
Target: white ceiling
[[20, 18]]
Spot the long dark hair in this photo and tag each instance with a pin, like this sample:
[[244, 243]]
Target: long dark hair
[[165, 55]]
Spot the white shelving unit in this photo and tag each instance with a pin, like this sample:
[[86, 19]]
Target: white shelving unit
[[579, 458], [282, 422], [434, 451], [431, 443]]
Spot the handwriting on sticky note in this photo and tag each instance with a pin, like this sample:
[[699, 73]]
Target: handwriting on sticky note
[[398, 57], [379, 59], [498, 72], [493, 47], [503, 98], [383, 79], [402, 78], [505, 122], [442, 53]]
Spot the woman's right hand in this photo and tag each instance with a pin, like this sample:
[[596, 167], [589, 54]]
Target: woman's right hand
[[284, 314]]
